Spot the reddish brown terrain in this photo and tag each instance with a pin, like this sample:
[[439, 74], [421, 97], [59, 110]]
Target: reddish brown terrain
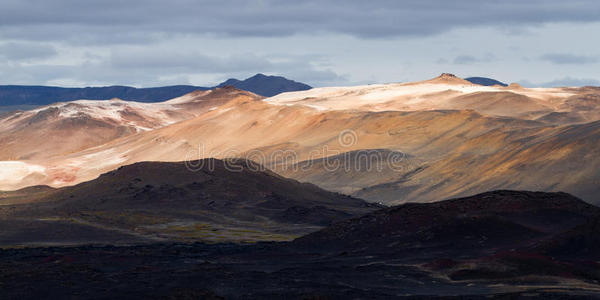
[[453, 138]]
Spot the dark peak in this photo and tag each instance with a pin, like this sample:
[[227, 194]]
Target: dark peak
[[230, 81], [266, 85], [485, 81], [263, 77]]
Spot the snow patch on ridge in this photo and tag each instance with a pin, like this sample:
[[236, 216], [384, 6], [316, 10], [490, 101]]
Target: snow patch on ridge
[[113, 109], [408, 96]]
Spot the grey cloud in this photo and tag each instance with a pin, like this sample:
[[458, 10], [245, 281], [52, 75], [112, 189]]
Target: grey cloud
[[316, 77], [169, 60], [563, 82], [465, 60], [564, 59], [26, 51], [469, 59], [138, 21], [124, 37], [441, 61], [569, 81]]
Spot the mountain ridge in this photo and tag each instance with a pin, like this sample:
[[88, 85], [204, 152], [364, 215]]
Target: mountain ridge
[[14, 95], [438, 129]]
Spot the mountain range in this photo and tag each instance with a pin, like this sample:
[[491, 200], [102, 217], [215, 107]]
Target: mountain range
[[416, 190], [15, 95], [435, 130]]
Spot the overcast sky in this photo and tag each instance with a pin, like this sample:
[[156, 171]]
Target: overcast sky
[[322, 43]]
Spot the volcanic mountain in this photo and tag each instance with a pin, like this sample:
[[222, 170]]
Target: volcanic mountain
[[202, 200]]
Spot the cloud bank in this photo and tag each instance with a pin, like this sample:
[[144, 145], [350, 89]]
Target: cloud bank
[[140, 42]]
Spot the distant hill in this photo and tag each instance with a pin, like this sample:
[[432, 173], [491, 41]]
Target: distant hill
[[266, 85], [13, 95], [42, 95], [485, 81]]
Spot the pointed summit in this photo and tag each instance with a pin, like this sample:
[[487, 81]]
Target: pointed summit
[[515, 86], [447, 75], [448, 78]]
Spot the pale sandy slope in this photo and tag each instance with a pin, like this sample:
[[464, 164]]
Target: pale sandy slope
[[449, 92], [455, 151], [32, 141], [65, 128]]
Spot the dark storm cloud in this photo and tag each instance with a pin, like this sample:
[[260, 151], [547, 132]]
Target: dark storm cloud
[[567, 59], [138, 21]]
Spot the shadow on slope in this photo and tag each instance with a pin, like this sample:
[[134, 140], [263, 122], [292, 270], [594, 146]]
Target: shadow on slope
[[496, 245], [215, 200]]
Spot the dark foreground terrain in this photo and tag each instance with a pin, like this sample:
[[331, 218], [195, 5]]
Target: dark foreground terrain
[[202, 271], [502, 245]]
